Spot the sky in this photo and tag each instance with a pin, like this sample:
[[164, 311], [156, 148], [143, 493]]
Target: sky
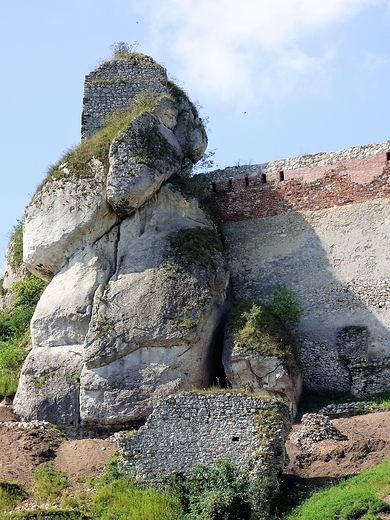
[[275, 78]]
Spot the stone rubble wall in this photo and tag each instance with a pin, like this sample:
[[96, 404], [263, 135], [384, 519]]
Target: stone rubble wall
[[114, 85], [335, 259], [250, 198], [188, 429], [327, 158], [308, 166]]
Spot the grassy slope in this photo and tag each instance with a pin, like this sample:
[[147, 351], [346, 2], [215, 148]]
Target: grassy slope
[[354, 498]]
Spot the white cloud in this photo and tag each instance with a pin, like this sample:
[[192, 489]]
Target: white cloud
[[223, 46], [374, 61]]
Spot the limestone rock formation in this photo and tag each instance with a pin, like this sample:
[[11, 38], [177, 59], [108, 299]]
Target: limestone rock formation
[[264, 375], [124, 320]]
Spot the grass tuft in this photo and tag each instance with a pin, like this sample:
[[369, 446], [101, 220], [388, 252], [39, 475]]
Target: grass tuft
[[76, 162], [11, 494], [49, 484]]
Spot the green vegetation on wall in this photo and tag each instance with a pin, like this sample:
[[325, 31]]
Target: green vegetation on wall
[[122, 51], [15, 331], [197, 246], [154, 147], [266, 328], [194, 188]]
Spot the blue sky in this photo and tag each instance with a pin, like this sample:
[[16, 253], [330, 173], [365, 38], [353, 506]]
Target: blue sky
[[276, 78]]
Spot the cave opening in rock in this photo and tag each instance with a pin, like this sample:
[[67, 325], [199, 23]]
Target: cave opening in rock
[[217, 376]]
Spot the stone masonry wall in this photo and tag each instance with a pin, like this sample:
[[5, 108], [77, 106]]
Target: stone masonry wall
[[306, 183], [306, 167], [322, 231], [114, 85], [188, 429], [337, 261]]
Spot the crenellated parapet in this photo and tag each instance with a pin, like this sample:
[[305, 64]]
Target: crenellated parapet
[[310, 182]]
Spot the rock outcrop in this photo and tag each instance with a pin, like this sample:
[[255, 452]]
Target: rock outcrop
[[125, 320], [262, 374]]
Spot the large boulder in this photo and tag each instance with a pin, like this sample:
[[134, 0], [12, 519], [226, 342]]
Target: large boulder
[[152, 327], [65, 216]]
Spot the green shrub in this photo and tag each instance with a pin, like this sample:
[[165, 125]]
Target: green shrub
[[265, 328], [262, 332], [197, 246], [220, 492], [49, 484], [28, 291], [17, 239], [286, 307]]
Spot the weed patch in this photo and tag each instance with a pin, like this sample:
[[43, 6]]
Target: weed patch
[[11, 494], [118, 497], [49, 484]]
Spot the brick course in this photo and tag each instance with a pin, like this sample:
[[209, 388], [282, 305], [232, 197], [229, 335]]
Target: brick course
[[320, 187]]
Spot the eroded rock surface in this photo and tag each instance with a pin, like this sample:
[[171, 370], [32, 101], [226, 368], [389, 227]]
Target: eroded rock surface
[[123, 321], [264, 375]]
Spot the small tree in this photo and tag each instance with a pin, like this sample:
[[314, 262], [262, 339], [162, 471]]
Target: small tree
[[286, 307]]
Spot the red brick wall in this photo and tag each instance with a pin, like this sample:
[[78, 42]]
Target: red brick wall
[[346, 182]]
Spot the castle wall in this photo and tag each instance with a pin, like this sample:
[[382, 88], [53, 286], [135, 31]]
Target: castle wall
[[114, 85], [323, 232], [188, 429]]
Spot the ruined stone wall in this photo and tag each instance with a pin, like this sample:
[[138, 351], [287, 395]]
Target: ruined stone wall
[[188, 429], [310, 182], [322, 231], [114, 85], [307, 167]]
